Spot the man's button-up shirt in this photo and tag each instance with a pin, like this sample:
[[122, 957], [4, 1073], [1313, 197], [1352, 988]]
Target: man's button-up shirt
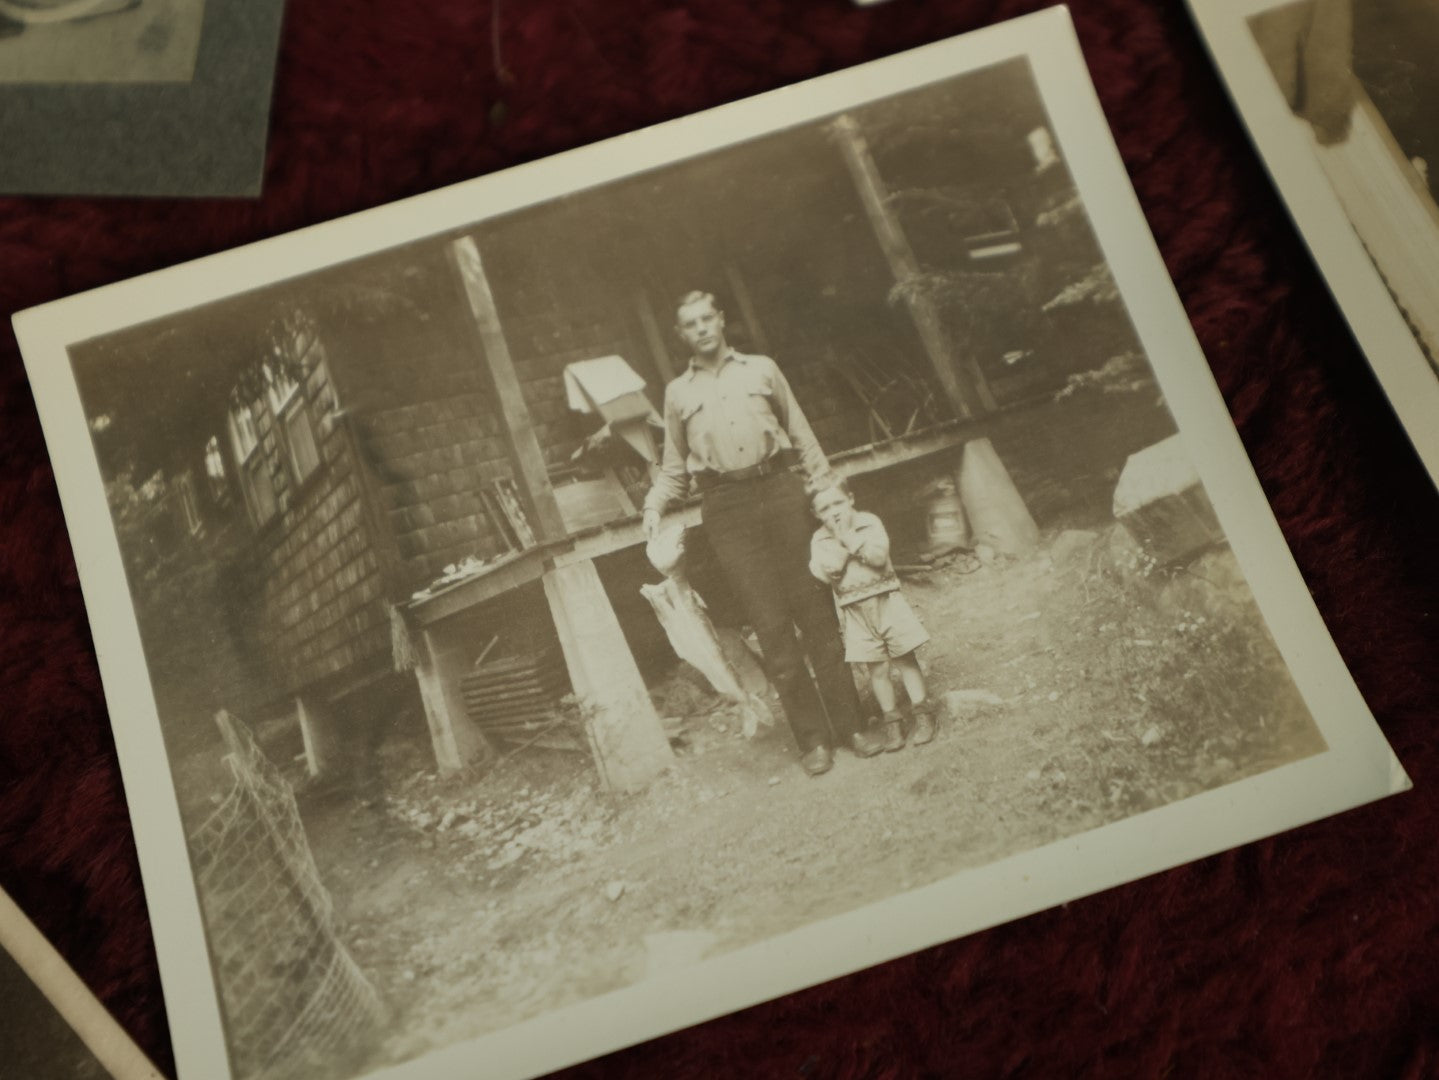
[[735, 416]]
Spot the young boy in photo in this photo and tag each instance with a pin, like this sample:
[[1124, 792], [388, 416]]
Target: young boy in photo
[[850, 553]]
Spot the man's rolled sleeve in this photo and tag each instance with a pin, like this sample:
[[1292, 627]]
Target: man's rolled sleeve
[[671, 484], [816, 466]]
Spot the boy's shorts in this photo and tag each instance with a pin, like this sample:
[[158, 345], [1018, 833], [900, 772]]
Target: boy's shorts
[[880, 628]]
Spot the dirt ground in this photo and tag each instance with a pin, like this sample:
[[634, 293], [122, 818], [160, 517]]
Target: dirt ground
[[1081, 690]]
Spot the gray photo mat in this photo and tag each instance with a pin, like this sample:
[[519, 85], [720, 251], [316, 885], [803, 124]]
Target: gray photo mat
[[205, 137]]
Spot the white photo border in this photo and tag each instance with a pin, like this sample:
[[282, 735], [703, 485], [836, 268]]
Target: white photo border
[[1284, 145], [1357, 768]]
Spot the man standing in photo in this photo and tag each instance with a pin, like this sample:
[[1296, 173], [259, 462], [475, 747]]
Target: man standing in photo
[[734, 429]]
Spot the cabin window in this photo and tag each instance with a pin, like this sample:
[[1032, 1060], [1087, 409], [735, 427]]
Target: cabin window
[[255, 479], [288, 404]]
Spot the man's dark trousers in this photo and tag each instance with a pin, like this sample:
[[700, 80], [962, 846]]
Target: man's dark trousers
[[760, 531]]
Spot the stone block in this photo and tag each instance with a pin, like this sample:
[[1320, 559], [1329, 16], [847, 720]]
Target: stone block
[[997, 513], [1162, 504]]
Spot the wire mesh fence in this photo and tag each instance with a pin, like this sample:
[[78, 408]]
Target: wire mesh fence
[[291, 996]]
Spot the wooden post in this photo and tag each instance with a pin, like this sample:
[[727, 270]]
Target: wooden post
[[996, 511], [1389, 205], [324, 750], [655, 336], [531, 475], [960, 378], [740, 291], [440, 662], [626, 737]]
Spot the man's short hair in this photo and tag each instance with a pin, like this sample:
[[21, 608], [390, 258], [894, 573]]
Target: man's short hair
[[695, 296]]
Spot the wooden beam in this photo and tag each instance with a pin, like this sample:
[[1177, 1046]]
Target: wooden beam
[[1389, 205], [848, 463], [655, 337], [362, 677], [443, 656], [510, 572], [626, 738], [740, 291], [960, 378], [995, 509], [323, 745], [516, 570], [531, 475]]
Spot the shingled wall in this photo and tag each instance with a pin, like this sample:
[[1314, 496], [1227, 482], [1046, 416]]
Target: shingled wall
[[555, 308], [425, 420], [318, 572]]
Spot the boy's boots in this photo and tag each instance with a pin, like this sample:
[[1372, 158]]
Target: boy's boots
[[923, 729]]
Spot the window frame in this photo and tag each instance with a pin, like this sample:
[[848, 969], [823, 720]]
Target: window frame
[[288, 400], [250, 462]]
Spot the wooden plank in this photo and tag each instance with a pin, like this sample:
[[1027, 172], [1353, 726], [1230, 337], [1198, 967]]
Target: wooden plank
[[963, 383], [442, 657], [1390, 207], [512, 665], [517, 678], [518, 570], [498, 691], [320, 736], [996, 511], [628, 743], [655, 337], [526, 455], [531, 564], [536, 685], [509, 502], [516, 732], [364, 677], [515, 699], [849, 463], [529, 718], [499, 521], [740, 291], [485, 714]]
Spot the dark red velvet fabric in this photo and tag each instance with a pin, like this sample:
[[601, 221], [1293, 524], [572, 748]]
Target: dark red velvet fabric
[[1311, 954]]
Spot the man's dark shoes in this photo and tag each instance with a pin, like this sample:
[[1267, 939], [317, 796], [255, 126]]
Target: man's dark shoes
[[923, 729], [817, 760], [866, 744]]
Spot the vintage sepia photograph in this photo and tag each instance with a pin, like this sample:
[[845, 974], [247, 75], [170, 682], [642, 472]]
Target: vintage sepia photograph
[[1359, 120], [99, 41], [544, 609]]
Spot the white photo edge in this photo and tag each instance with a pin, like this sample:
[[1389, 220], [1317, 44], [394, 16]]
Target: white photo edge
[[1358, 766]]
